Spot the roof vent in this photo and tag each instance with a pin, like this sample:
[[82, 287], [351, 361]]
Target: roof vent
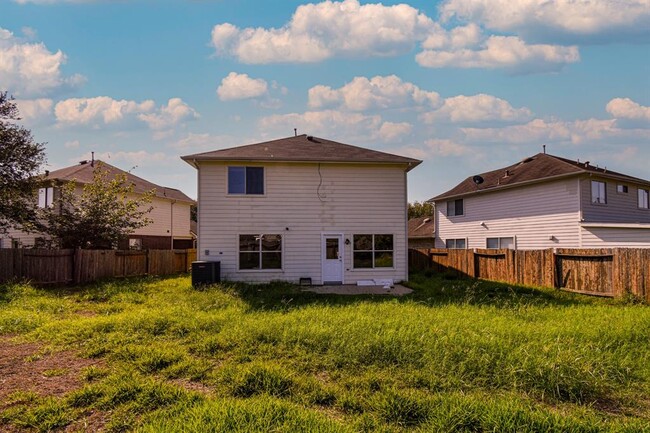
[[426, 220], [507, 173], [85, 161], [310, 138], [530, 158], [586, 164]]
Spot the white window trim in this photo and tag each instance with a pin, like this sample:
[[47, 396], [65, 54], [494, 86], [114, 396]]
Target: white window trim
[[514, 242], [454, 201], [592, 193], [373, 268], [257, 271], [622, 192], [240, 195], [456, 240], [647, 196]]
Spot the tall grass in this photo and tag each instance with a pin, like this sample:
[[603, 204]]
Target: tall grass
[[453, 356]]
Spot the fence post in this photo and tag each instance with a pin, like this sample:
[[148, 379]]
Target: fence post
[[147, 262]]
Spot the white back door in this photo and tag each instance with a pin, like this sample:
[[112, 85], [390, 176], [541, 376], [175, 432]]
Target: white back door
[[332, 259]]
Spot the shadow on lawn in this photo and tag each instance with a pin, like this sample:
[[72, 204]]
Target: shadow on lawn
[[429, 290]]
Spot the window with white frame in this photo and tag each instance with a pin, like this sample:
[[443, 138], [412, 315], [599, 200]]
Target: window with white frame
[[246, 180], [260, 252], [598, 192], [135, 243], [621, 189], [456, 244], [643, 198], [45, 197], [372, 251], [500, 243], [455, 207]]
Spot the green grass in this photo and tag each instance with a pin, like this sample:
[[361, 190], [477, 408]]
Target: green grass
[[453, 356]]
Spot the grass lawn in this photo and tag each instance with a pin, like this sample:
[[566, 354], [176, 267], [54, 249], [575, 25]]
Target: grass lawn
[[155, 355]]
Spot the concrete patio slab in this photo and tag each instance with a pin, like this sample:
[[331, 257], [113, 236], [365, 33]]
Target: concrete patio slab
[[348, 289]]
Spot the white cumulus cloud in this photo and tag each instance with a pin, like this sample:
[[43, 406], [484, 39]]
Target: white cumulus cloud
[[446, 147], [173, 113], [391, 131], [576, 20], [507, 52], [625, 108], [380, 92], [30, 69], [34, 111], [477, 108], [241, 86], [341, 125], [323, 30], [103, 110]]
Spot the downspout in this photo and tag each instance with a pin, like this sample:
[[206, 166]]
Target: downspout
[[406, 225], [171, 230], [580, 214]]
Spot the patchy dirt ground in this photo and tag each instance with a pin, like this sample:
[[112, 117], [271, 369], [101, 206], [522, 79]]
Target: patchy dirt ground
[[27, 367]]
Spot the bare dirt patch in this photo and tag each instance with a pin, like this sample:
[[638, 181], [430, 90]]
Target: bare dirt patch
[[27, 367]]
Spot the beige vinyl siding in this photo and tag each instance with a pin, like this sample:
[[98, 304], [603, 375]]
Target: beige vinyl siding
[[620, 207], [182, 221], [606, 237], [354, 199], [531, 214]]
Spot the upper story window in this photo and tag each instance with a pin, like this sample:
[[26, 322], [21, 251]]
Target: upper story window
[[499, 243], [456, 244], [455, 207], [45, 197], [643, 198], [621, 189], [246, 180], [598, 192]]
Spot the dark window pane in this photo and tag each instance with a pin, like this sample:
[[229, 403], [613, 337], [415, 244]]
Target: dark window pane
[[363, 242], [384, 260], [249, 243], [236, 180], [272, 243], [384, 242], [249, 260], [450, 243], [460, 243], [459, 207], [451, 208], [493, 243], [332, 248], [271, 260], [362, 260], [254, 180]]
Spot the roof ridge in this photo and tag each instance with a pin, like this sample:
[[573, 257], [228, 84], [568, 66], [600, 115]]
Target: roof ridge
[[573, 164]]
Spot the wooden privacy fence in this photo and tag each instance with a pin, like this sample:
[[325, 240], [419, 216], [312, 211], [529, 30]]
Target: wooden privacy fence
[[604, 272], [85, 266]]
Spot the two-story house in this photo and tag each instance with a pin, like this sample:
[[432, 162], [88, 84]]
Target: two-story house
[[545, 201], [303, 207], [170, 227]]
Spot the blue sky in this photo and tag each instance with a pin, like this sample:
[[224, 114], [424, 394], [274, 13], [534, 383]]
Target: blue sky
[[465, 85]]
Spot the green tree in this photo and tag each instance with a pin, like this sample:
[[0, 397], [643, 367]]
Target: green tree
[[20, 161], [105, 212], [417, 209]]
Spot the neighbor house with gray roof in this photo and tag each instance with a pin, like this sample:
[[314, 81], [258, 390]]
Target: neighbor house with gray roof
[[170, 214], [545, 201], [305, 208]]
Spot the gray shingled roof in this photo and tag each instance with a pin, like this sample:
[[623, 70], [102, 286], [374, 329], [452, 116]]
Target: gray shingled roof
[[83, 173], [302, 148], [533, 169]]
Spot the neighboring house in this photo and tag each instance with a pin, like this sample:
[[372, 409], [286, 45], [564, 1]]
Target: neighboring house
[[170, 214], [421, 232], [303, 207], [545, 201]]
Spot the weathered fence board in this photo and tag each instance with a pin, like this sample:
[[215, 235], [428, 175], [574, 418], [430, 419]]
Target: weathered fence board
[[603, 272], [85, 266]]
